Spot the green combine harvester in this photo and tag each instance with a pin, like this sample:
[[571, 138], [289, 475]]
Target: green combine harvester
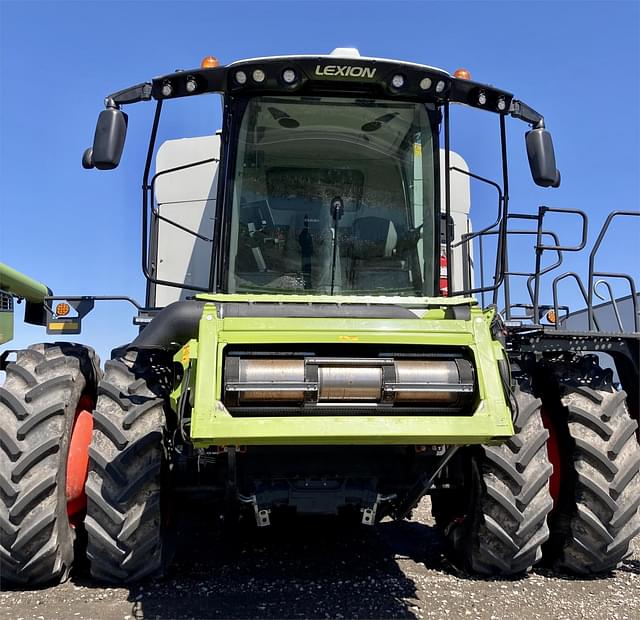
[[315, 340], [14, 284]]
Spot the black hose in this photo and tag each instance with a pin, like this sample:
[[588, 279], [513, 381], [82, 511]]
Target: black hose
[[172, 327]]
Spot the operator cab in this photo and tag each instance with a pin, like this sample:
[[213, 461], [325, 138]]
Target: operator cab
[[283, 227], [331, 195], [328, 179]]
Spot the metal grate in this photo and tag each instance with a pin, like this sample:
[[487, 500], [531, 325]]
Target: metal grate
[[6, 302]]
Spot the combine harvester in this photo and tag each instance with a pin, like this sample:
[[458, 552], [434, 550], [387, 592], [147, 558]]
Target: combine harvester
[[315, 339]]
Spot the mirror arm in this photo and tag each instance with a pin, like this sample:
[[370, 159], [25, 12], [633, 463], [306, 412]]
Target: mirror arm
[[133, 94], [523, 112]]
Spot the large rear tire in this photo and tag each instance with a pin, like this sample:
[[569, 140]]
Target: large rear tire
[[127, 463], [596, 516], [38, 406], [497, 523]]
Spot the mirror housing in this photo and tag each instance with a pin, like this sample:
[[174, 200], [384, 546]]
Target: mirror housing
[[87, 159], [108, 141], [542, 159]]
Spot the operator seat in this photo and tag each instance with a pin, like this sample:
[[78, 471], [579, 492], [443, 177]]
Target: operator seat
[[374, 264]]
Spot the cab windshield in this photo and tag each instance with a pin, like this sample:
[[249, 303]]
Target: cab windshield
[[333, 196]]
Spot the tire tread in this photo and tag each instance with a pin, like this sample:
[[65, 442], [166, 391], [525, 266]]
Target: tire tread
[[38, 403], [597, 523], [126, 461]]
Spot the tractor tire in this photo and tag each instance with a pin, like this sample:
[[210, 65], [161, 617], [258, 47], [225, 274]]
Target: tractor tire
[[597, 513], [126, 471], [497, 523], [38, 405]]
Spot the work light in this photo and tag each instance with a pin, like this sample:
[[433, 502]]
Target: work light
[[397, 81], [289, 76]]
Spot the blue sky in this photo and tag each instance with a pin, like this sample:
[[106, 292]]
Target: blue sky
[[79, 231]]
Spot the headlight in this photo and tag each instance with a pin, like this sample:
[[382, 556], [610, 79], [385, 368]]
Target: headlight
[[289, 76], [167, 89], [397, 81], [192, 85]]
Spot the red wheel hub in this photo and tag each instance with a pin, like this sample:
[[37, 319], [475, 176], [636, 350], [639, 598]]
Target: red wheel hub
[[78, 460], [555, 455]]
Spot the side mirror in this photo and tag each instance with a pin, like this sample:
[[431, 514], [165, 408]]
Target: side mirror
[[542, 159], [108, 141], [87, 159]]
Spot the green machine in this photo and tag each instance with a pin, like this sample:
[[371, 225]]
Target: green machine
[[14, 284], [315, 339]]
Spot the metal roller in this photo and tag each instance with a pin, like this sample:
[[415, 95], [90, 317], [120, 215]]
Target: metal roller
[[271, 373], [432, 373], [349, 383], [318, 381]]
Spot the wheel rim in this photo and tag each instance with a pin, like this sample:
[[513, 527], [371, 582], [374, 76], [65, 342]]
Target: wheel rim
[[554, 454], [78, 460]]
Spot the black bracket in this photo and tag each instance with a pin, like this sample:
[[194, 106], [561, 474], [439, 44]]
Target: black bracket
[[523, 112], [62, 325]]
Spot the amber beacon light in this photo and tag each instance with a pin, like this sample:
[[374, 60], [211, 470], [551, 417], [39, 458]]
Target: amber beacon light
[[462, 74], [209, 62]]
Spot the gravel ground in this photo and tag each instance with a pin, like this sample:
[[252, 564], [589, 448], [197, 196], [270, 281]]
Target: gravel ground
[[313, 569]]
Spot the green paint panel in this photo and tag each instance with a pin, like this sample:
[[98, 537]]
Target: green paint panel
[[6, 326], [212, 424], [19, 285]]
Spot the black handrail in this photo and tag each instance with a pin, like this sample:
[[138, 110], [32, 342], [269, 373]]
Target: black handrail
[[149, 190], [624, 276], [583, 292], [500, 223], [541, 248], [528, 274], [612, 300]]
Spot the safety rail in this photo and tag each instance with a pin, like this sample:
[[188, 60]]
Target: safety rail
[[150, 199], [593, 274], [508, 274], [596, 279], [495, 228]]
